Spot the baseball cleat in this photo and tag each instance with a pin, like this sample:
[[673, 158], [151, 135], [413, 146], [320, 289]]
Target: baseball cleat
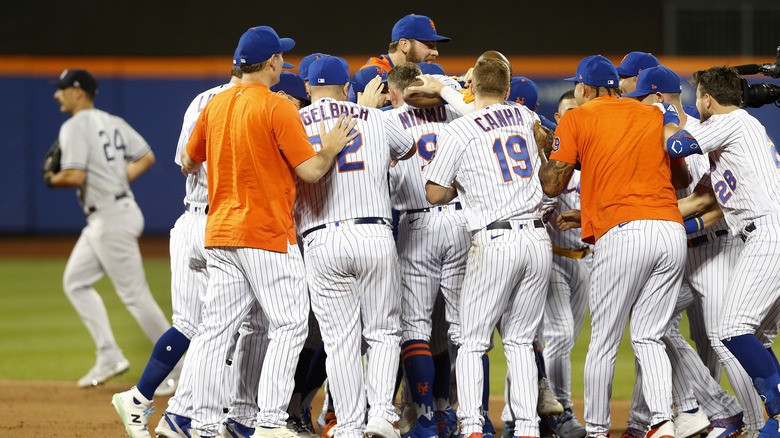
[[509, 430], [547, 405], [728, 427], [424, 428], [771, 429], [633, 432], [570, 427], [378, 427], [663, 430], [548, 427], [102, 372], [296, 424], [273, 432], [447, 422], [330, 423], [134, 409], [689, 424], [234, 429], [408, 418], [173, 426]]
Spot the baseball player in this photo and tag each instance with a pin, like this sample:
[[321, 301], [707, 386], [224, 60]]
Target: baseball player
[[303, 68], [101, 154], [351, 262], [250, 239], [491, 157], [711, 255], [630, 66], [188, 283], [432, 246], [293, 88], [745, 179], [642, 237]]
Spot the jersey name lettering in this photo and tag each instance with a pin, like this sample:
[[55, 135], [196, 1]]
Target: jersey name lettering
[[422, 116], [500, 118], [329, 111]]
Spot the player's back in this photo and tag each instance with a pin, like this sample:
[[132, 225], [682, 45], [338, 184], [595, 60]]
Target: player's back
[[101, 144], [407, 185], [497, 176], [356, 186]]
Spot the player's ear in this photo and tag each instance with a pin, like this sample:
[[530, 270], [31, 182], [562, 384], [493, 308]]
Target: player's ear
[[506, 95], [346, 89]]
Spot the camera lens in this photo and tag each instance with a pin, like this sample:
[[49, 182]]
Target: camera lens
[[761, 94]]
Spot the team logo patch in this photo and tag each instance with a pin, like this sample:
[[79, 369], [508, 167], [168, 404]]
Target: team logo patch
[[320, 80], [432, 25], [610, 82], [556, 144]]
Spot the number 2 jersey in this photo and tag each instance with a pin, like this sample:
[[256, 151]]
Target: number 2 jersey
[[744, 166], [356, 186], [491, 154], [100, 144]]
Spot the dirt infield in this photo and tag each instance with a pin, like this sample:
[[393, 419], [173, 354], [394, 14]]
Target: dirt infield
[[61, 409], [60, 246]]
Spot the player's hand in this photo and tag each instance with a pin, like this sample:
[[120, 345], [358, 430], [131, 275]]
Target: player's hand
[[569, 219], [430, 87], [372, 95], [544, 139], [467, 77], [342, 134]]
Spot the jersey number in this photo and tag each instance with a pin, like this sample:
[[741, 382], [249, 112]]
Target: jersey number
[[722, 187], [423, 144], [110, 147], [517, 150], [350, 148]]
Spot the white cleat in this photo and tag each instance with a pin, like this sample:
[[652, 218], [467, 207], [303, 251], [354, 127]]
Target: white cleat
[[378, 427], [134, 409], [687, 425], [102, 372]]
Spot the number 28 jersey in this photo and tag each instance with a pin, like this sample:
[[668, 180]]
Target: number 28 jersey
[[100, 144], [356, 186], [491, 155]]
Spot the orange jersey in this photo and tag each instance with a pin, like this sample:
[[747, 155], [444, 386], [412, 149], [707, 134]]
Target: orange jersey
[[625, 170], [383, 62], [253, 139]]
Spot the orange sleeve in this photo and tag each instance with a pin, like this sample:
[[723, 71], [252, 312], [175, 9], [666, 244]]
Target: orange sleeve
[[289, 132], [565, 142], [196, 146]]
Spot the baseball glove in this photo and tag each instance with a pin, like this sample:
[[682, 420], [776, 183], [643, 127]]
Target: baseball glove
[[51, 161]]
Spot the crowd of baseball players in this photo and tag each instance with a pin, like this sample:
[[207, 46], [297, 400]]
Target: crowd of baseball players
[[373, 231]]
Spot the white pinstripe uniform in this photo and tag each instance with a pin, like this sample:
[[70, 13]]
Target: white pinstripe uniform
[[351, 262], [189, 278], [708, 267], [745, 175], [567, 299], [432, 244], [491, 155], [102, 144]]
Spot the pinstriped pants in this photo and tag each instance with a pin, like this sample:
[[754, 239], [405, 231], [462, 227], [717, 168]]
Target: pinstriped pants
[[637, 272]]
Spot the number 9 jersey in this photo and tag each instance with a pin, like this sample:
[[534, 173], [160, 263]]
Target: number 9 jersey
[[356, 186], [492, 156], [101, 144]]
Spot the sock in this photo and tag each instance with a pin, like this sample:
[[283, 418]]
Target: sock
[[418, 365], [166, 353], [486, 385], [760, 366], [301, 374], [441, 381], [540, 368], [315, 376]]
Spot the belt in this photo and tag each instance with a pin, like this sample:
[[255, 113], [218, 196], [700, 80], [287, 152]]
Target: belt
[[571, 253], [92, 209], [435, 208], [701, 240], [748, 229], [196, 209], [358, 221], [506, 225]]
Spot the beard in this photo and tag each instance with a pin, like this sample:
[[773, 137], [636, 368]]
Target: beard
[[416, 57]]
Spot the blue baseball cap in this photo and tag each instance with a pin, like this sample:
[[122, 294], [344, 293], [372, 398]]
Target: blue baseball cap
[[364, 76], [430, 68], [291, 84], [635, 62], [303, 66], [524, 91], [258, 44], [597, 71], [656, 80], [418, 27], [328, 70]]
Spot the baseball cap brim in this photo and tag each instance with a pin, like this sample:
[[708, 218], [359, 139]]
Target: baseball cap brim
[[286, 44], [573, 79], [636, 93], [288, 65], [438, 38]]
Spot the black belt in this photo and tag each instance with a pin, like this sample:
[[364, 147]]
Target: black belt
[[93, 209], [504, 225], [428, 210], [748, 229], [701, 240], [358, 221], [192, 208]]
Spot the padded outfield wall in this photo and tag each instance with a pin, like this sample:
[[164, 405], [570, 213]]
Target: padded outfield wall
[[152, 95]]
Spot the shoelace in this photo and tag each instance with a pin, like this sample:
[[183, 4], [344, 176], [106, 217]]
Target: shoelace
[[148, 412]]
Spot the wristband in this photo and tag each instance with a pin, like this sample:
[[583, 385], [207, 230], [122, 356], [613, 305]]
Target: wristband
[[693, 224], [682, 144]]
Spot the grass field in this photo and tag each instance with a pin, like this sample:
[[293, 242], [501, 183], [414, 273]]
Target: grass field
[[44, 339]]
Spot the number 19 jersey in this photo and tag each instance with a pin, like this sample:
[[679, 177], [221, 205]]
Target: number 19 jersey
[[491, 154], [356, 186]]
